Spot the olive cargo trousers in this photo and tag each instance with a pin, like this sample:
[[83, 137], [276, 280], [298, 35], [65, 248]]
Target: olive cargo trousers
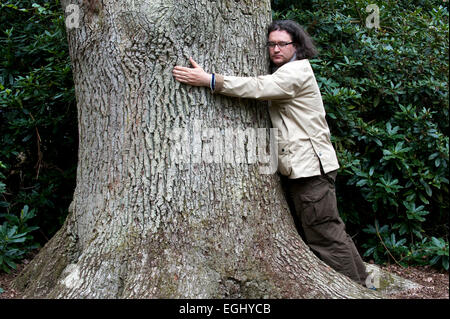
[[314, 202]]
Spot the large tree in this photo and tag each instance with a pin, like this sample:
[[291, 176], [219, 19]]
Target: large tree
[[145, 223]]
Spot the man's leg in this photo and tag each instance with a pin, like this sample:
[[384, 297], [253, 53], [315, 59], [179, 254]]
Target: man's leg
[[316, 206]]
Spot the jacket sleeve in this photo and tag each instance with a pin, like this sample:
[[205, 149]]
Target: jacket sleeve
[[283, 84]]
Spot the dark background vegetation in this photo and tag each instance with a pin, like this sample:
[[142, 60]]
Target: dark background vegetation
[[385, 92]]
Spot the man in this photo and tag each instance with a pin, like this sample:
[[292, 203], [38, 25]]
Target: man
[[305, 153]]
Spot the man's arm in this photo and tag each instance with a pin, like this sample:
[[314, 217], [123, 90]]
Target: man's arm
[[283, 84]]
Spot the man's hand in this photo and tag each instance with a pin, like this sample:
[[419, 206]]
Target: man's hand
[[193, 76]]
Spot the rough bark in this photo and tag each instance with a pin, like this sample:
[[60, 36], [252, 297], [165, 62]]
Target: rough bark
[[143, 226]]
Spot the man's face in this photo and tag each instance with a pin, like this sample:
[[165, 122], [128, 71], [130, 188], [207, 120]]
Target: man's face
[[280, 56]]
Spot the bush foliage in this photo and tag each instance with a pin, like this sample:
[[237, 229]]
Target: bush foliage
[[38, 132], [385, 91]]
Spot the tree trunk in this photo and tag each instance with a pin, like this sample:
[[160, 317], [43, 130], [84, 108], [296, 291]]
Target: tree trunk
[[146, 222]]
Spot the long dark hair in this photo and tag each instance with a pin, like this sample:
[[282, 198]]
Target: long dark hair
[[303, 42]]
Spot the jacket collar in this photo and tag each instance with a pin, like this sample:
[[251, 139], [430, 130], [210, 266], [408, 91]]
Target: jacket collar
[[275, 68]]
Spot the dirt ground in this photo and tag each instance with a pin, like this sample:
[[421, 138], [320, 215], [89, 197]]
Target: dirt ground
[[436, 283]]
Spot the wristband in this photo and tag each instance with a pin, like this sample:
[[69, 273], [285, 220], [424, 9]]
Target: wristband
[[212, 84]]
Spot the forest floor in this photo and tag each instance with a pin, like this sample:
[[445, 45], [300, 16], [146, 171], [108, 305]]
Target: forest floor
[[435, 283]]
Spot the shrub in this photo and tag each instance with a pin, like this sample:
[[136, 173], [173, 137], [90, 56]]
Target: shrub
[[38, 134], [384, 245], [15, 238]]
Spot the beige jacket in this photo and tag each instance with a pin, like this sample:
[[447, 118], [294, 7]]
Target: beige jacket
[[296, 110]]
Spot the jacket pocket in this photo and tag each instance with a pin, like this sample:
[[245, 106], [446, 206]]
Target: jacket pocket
[[284, 159]]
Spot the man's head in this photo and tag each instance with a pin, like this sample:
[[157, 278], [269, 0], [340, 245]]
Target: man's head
[[287, 38]]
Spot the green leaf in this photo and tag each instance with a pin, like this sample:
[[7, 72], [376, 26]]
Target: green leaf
[[369, 251], [427, 188], [10, 263], [383, 229], [361, 182], [437, 242], [445, 262], [370, 229], [423, 199], [434, 260], [346, 60]]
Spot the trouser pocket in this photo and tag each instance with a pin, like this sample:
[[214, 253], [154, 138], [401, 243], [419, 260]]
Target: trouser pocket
[[315, 200]]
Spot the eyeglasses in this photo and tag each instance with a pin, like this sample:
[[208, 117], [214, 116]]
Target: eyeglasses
[[281, 45]]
